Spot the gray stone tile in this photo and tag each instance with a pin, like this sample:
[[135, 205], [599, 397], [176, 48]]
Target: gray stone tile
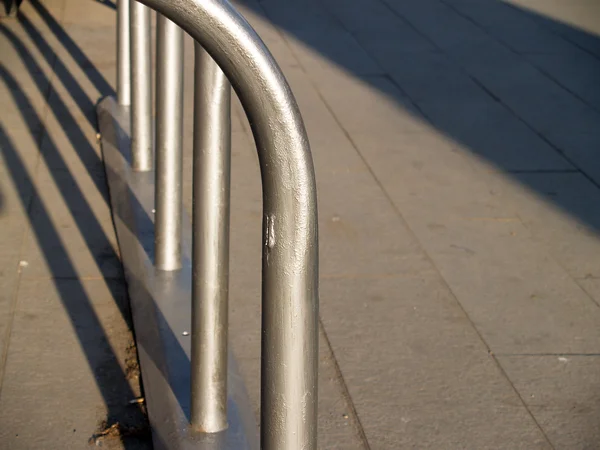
[[515, 28], [576, 15], [318, 50], [9, 278], [71, 144], [561, 391], [523, 88], [70, 239], [369, 105], [580, 148], [386, 46], [577, 71], [352, 246], [491, 131], [581, 36], [15, 187], [429, 174], [591, 285], [519, 298], [419, 77], [65, 371], [298, 16], [436, 21], [98, 14], [559, 210], [364, 16], [53, 7], [338, 426], [74, 194], [412, 387]]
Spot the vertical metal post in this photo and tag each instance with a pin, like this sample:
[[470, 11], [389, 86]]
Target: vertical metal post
[[141, 92], [169, 142], [123, 54], [210, 253]]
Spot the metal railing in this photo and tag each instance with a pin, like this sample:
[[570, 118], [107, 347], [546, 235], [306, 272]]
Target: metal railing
[[227, 50]]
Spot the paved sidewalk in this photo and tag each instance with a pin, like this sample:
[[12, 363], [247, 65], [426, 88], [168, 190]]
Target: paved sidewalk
[[455, 144], [68, 365]]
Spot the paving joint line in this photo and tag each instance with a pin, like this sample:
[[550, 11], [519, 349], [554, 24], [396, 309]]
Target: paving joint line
[[345, 391]]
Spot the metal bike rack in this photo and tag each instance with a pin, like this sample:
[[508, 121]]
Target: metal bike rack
[[227, 50]]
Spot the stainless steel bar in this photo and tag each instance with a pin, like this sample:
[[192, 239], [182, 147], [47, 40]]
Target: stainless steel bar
[[169, 143], [123, 54], [210, 248], [141, 87], [290, 241]]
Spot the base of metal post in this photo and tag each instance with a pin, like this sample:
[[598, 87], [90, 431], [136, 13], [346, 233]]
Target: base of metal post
[[141, 87], [210, 256], [169, 143]]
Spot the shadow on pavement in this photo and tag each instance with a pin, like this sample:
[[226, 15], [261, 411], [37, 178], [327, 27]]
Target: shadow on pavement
[[126, 422], [515, 88]]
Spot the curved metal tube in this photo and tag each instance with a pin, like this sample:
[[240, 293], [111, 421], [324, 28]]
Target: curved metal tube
[[290, 242]]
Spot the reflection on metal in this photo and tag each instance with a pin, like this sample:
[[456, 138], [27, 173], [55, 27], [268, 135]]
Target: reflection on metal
[[141, 84], [123, 54], [169, 142], [210, 248]]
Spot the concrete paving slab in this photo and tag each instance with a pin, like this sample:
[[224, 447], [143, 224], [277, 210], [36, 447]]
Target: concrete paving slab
[[9, 279], [591, 285], [579, 147], [83, 254], [382, 105], [559, 210], [75, 195], [561, 392], [576, 71], [72, 145], [316, 49], [436, 21], [490, 131], [511, 26], [575, 23], [67, 347], [523, 88], [520, 302], [485, 253], [54, 8], [577, 14], [15, 195], [424, 390], [371, 18], [418, 75], [298, 16]]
